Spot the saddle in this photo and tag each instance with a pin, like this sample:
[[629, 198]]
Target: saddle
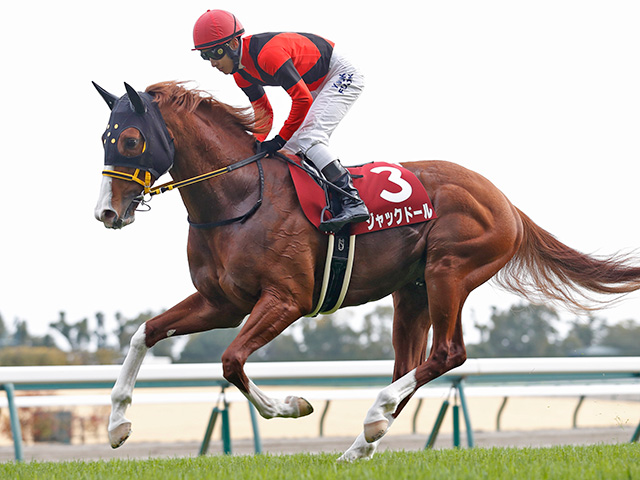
[[393, 195]]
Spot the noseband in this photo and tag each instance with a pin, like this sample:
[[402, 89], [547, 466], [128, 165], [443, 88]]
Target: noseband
[[146, 184]]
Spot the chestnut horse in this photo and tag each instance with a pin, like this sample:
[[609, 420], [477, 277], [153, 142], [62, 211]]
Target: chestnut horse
[[269, 264]]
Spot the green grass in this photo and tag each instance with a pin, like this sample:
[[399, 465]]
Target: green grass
[[584, 462]]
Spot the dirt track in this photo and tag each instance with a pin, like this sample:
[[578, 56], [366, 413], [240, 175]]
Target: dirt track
[[580, 436]]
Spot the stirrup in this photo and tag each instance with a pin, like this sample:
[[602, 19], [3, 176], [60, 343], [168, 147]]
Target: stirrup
[[338, 222]]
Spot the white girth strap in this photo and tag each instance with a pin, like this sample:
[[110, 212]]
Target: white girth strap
[[327, 272]]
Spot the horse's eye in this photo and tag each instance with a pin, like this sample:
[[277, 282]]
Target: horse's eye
[[132, 143]]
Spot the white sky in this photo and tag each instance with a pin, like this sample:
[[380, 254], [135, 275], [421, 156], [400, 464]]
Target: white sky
[[541, 97]]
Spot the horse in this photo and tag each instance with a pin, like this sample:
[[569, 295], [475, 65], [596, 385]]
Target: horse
[[258, 256]]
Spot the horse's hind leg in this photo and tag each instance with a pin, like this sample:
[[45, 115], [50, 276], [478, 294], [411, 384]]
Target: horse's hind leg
[[446, 353], [192, 315], [451, 274], [410, 332]]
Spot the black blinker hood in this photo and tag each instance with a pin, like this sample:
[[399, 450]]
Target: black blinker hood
[[138, 110]]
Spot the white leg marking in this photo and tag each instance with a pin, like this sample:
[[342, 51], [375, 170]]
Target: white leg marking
[[291, 407], [379, 416], [361, 449], [390, 397], [119, 426]]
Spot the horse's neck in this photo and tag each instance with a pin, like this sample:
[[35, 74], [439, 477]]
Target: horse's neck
[[205, 144], [222, 197]]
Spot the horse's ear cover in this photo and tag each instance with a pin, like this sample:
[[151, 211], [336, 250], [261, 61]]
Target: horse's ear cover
[[108, 97], [137, 105], [137, 110]]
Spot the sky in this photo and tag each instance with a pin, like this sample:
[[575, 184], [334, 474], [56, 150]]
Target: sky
[[541, 98]]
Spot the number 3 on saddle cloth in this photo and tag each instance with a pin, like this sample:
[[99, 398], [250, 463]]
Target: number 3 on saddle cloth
[[394, 197]]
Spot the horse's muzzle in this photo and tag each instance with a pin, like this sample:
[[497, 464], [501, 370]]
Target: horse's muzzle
[[111, 219], [107, 213]]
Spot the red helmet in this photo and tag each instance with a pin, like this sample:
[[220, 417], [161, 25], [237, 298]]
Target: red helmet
[[215, 27]]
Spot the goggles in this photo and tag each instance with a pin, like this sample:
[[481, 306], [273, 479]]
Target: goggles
[[215, 53]]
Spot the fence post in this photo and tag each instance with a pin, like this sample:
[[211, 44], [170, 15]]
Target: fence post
[[324, 414], [500, 410], [207, 434], [465, 412], [437, 424], [257, 442], [16, 432], [575, 412], [415, 417], [226, 429], [636, 434], [456, 426]]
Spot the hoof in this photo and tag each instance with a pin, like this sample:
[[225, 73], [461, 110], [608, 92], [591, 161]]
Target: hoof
[[304, 407], [375, 431], [119, 435], [360, 450]]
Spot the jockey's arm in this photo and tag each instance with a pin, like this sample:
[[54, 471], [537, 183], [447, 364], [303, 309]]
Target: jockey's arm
[[261, 106], [301, 99], [282, 70]]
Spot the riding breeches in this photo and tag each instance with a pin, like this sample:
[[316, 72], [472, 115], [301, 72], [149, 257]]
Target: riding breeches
[[331, 102]]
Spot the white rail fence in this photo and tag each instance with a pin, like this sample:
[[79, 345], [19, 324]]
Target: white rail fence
[[499, 377]]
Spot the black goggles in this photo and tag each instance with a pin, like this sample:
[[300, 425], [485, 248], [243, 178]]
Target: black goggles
[[215, 53]]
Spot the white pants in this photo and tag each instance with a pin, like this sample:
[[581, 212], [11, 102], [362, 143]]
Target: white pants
[[331, 102]]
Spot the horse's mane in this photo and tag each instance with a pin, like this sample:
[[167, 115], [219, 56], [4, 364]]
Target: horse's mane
[[174, 94]]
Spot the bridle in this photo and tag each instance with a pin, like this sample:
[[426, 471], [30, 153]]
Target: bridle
[[142, 200]]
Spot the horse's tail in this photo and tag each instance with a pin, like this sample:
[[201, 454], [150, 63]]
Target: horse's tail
[[545, 268]]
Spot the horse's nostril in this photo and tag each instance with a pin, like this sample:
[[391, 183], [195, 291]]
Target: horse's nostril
[[108, 216]]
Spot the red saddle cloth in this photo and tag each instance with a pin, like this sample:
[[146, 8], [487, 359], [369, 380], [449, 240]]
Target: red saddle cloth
[[393, 195]]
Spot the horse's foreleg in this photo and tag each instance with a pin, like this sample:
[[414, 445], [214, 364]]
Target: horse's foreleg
[[290, 407], [271, 315], [119, 427], [192, 315]]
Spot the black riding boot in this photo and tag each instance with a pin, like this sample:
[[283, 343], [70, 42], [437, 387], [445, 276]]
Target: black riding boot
[[345, 209]]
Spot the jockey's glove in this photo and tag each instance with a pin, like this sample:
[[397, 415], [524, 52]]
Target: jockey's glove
[[273, 145]]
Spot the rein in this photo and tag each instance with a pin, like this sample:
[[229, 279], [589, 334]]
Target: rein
[[146, 184]]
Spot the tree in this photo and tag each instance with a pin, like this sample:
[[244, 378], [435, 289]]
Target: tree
[[3, 329], [624, 337], [583, 335], [100, 332], [127, 327], [76, 334], [521, 331], [21, 333], [326, 339], [283, 348], [376, 336], [207, 346]]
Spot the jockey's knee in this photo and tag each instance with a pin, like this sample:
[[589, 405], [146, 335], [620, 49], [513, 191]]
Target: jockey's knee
[[319, 154]]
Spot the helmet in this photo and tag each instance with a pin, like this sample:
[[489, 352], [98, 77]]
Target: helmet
[[215, 27]]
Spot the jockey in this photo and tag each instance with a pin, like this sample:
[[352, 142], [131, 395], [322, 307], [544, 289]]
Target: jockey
[[322, 84]]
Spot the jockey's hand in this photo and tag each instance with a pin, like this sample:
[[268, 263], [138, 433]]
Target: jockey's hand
[[272, 146]]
